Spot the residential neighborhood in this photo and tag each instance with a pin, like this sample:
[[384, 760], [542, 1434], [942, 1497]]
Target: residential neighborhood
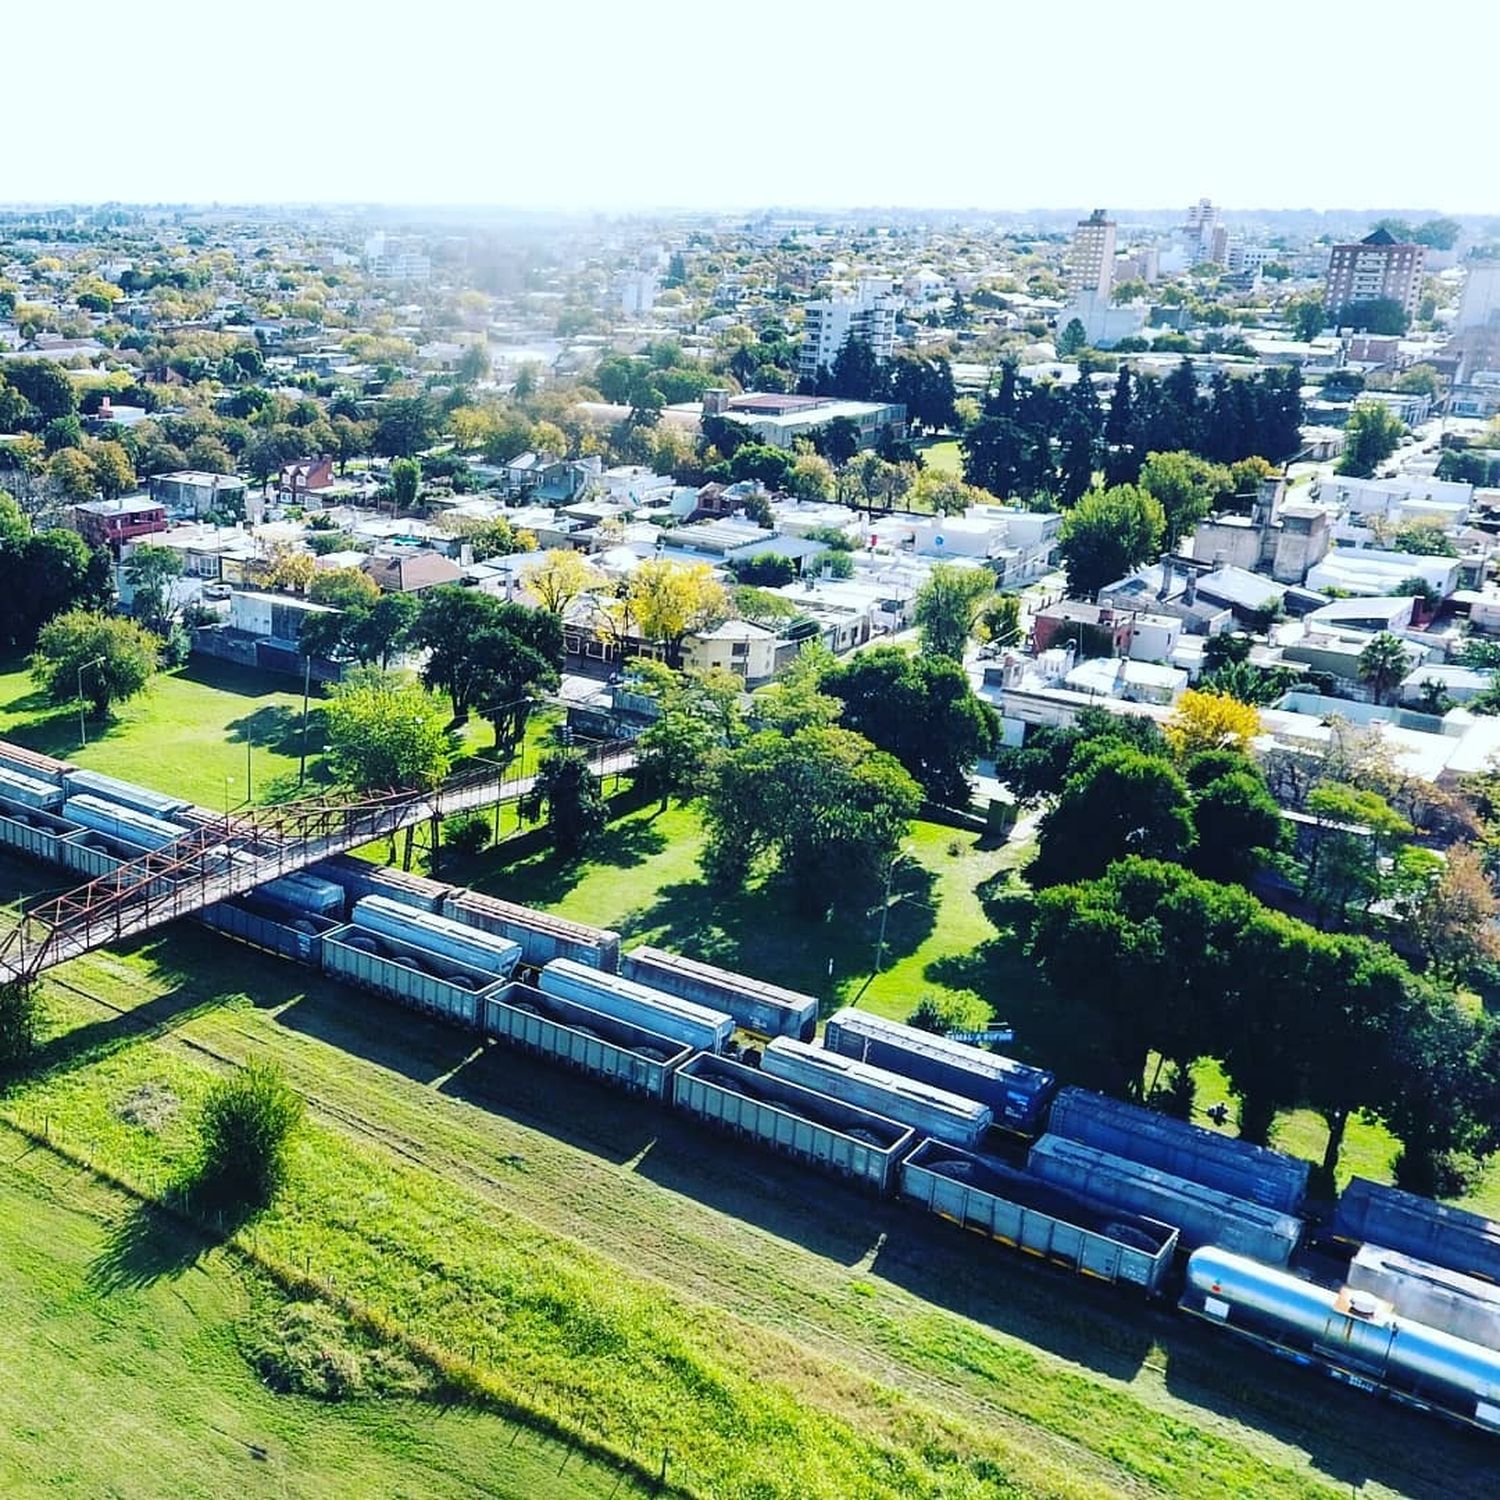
[[709, 809]]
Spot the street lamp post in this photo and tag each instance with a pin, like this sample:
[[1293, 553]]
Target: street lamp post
[[83, 737]]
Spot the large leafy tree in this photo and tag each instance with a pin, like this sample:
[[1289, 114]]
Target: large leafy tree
[[698, 716], [1118, 802], [669, 600], [923, 711], [387, 732], [821, 806], [1371, 435], [1186, 487], [112, 658], [948, 606], [1107, 534], [559, 577]]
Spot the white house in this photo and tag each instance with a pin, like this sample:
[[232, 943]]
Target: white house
[[739, 646]]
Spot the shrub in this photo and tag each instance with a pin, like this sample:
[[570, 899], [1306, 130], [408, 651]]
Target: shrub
[[20, 1023], [243, 1130], [468, 834]]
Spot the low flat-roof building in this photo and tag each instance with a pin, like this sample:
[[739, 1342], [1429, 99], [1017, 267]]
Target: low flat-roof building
[[194, 492]]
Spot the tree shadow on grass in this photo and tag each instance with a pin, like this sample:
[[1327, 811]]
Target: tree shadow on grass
[[760, 930], [545, 879], [1066, 1036], [226, 677], [144, 1246], [278, 727]]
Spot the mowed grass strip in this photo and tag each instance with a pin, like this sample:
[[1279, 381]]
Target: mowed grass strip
[[122, 1373]]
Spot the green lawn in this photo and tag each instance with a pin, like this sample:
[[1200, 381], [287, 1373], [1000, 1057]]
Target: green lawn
[[614, 1272], [189, 731], [944, 456], [121, 1373]]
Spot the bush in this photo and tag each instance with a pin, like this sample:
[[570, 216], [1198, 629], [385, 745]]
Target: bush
[[20, 1024], [309, 1350], [468, 834], [243, 1130], [962, 1012]]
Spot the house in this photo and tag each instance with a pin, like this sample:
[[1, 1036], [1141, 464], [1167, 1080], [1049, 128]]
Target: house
[[412, 572], [304, 476], [737, 646], [264, 631], [107, 523], [541, 477], [1371, 570], [1133, 681], [192, 492]]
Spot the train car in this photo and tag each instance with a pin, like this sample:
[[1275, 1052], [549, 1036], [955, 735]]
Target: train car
[[1350, 1334], [301, 892], [1218, 1161], [809, 1127], [696, 1025], [271, 928], [124, 793], [1016, 1094], [406, 973], [447, 942], [1204, 1215], [33, 832], [927, 1109], [1018, 1210], [93, 854], [1370, 1213], [1461, 1305], [614, 1051], [125, 824], [765, 1009], [28, 791], [542, 936], [360, 878], [33, 763]]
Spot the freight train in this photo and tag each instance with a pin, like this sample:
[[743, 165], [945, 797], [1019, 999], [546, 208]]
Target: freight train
[[1091, 1184]]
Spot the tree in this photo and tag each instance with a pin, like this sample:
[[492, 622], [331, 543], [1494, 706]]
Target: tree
[[70, 470], [113, 471], [697, 715], [1383, 663], [48, 573], [837, 440], [245, 1126], [1107, 534], [670, 600], [385, 732], [1118, 802], [1211, 721], [999, 622], [821, 805], [406, 480], [151, 570], [343, 588], [1305, 316], [405, 426], [1186, 486], [1356, 832], [46, 385], [1237, 825], [559, 577], [1378, 315], [1454, 920], [1371, 435], [810, 477], [113, 658], [568, 791], [922, 710], [1071, 339], [375, 633], [948, 605]]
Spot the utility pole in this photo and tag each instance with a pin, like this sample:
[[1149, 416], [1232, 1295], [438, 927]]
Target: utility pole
[[885, 908]]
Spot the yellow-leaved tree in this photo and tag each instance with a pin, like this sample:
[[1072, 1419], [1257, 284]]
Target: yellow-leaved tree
[[1210, 721]]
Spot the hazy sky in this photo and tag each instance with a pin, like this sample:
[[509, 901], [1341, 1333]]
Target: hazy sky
[[608, 104]]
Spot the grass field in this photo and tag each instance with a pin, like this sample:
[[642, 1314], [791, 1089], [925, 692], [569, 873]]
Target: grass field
[[615, 1273], [188, 733], [944, 456], [122, 1366]]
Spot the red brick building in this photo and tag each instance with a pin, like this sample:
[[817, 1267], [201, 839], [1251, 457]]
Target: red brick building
[[107, 523]]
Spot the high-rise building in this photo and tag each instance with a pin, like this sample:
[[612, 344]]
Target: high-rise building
[[1479, 307], [1091, 260], [1378, 267], [1200, 231], [831, 322]]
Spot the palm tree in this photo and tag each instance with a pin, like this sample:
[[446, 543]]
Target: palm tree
[[1382, 663]]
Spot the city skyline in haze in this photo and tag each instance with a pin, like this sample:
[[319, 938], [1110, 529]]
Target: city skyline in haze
[[669, 104]]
